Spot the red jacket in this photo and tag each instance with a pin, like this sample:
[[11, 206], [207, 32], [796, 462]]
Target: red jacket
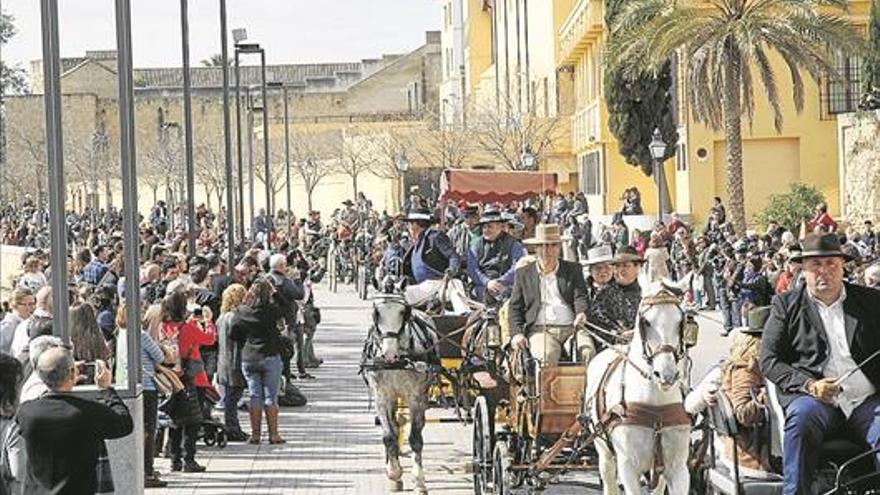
[[190, 337]]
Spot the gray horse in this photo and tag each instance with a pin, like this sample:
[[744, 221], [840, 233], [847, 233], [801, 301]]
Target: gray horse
[[396, 354]]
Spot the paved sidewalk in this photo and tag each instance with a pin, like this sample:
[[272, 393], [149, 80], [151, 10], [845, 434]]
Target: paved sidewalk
[[333, 446]]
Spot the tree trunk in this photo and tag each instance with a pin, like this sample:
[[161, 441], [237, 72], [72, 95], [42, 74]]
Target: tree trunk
[[309, 197], [108, 192], [354, 185], [732, 107]]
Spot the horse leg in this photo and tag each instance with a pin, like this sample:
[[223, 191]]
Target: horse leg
[[416, 442], [607, 469], [676, 450], [630, 476], [388, 419]]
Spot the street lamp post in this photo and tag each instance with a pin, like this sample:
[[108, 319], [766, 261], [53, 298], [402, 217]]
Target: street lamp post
[[227, 143], [528, 160], [286, 152], [402, 167], [187, 127], [658, 151], [240, 49]]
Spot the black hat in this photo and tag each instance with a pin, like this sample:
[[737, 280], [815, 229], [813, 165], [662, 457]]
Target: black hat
[[757, 317], [627, 254], [492, 214], [419, 215], [821, 246], [348, 202]]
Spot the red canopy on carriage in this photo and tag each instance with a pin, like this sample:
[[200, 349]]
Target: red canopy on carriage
[[489, 186]]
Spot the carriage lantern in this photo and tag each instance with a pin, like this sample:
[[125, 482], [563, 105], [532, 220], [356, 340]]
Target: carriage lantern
[[493, 331], [690, 331]]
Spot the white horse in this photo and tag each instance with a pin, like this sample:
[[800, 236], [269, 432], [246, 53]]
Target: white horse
[[643, 387], [393, 359]]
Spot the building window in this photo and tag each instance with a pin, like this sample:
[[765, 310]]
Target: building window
[[842, 90], [591, 173], [681, 163]]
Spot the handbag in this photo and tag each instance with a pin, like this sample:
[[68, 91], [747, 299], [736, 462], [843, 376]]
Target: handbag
[[312, 315], [167, 381], [103, 472], [184, 406]]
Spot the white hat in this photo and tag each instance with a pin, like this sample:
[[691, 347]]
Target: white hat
[[599, 254]]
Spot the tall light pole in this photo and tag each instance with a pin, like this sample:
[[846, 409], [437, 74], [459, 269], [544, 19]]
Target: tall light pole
[[237, 36], [250, 48], [227, 143], [55, 159], [187, 130], [658, 151], [286, 152], [269, 208]]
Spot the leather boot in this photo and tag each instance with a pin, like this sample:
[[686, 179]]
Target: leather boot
[[256, 415], [272, 422]]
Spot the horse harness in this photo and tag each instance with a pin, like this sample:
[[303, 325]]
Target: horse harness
[[657, 418]]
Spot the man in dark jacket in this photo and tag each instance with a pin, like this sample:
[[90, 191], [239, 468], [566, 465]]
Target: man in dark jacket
[[549, 300], [287, 292], [64, 433], [429, 260], [814, 349], [492, 257]]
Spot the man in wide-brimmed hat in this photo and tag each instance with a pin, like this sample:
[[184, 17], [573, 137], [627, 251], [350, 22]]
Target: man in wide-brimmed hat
[[492, 256], [815, 349], [429, 260], [465, 230], [549, 301]]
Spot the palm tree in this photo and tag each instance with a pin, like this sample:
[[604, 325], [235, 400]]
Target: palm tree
[[723, 43]]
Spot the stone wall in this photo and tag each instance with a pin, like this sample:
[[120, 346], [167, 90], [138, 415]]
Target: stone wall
[[859, 162]]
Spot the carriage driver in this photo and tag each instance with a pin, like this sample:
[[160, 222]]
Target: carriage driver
[[549, 300], [819, 349], [429, 260]]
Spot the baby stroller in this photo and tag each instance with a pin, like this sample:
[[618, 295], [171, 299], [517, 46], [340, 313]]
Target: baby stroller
[[211, 431]]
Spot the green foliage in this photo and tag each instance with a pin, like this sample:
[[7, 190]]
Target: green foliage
[[792, 207], [638, 103], [12, 78]]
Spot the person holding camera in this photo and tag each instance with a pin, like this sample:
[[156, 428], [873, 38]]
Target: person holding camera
[[190, 334], [64, 433]]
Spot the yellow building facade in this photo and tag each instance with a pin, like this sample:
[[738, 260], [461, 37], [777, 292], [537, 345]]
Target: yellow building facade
[[805, 151], [501, 55]]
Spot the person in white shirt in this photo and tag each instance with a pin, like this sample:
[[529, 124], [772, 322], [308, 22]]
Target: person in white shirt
[[820, 349], [549, 301], [43, 310], [22, 306]]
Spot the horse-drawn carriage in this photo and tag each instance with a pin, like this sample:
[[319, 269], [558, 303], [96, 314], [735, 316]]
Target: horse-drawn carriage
[[554, 420]]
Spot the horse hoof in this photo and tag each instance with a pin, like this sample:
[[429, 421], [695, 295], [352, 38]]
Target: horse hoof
[[395, 485]]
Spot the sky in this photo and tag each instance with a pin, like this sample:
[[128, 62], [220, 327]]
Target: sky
[[291, 31]]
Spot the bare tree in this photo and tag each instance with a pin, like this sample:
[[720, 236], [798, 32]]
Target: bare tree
[[356, 155], [314, 156], [31, 168], [443, 146], [210, 165], [505, 134], [277, 173]]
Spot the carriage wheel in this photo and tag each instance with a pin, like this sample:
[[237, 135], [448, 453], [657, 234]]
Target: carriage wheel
[[501, 476], [483, 439]]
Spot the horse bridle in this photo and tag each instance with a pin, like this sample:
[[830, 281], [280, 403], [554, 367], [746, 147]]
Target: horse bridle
[[664, 297], [389, 334]]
